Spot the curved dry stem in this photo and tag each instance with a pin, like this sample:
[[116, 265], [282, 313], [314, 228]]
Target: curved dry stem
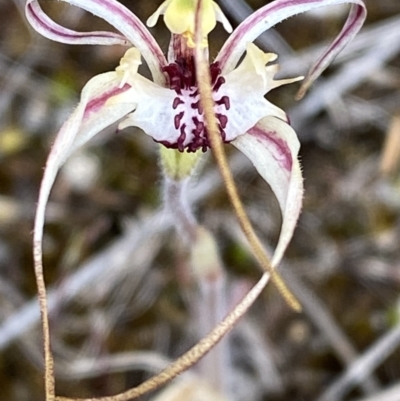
[[207, 102], [49, 380]]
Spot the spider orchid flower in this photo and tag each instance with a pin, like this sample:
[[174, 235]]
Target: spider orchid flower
[[168, 107]]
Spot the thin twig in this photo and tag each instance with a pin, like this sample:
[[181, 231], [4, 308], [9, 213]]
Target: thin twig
[[363, 366]]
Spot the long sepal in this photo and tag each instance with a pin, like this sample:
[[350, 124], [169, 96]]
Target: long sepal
[[276, 12], [272, 146], [133, 30], [92, 115], [51, 30], [89, 118]]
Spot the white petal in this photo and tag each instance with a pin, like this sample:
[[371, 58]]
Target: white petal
[[99, 113], [247, 107], [90, 117], [272, 146], [245, 87], [154, 113]]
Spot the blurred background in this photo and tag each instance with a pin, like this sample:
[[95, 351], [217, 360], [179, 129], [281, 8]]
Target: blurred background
[[123, 299]]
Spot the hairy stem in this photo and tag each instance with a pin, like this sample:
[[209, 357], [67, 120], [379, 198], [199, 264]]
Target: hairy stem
[[49, 381], [177, 205], [215, 367]]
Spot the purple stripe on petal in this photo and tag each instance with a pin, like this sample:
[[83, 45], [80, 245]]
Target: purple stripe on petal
[[353, 24], [272, 146], [277, 11], [271, 140], [97, 103], [51, 30], [132, 28]]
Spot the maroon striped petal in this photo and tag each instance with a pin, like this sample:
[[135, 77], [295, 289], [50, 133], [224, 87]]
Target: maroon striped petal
[[132, 29], [92, 115], [279, 10], [272, 146], [48, 28]]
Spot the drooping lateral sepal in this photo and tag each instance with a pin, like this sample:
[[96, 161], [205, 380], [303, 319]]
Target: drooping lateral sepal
[[272, 146], [92, 115]]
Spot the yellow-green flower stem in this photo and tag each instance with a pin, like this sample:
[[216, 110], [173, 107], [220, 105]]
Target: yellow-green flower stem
[[176, 203], [204, 82], [177, 168]]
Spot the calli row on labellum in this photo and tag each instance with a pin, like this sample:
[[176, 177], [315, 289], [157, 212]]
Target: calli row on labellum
[[168, 108]]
